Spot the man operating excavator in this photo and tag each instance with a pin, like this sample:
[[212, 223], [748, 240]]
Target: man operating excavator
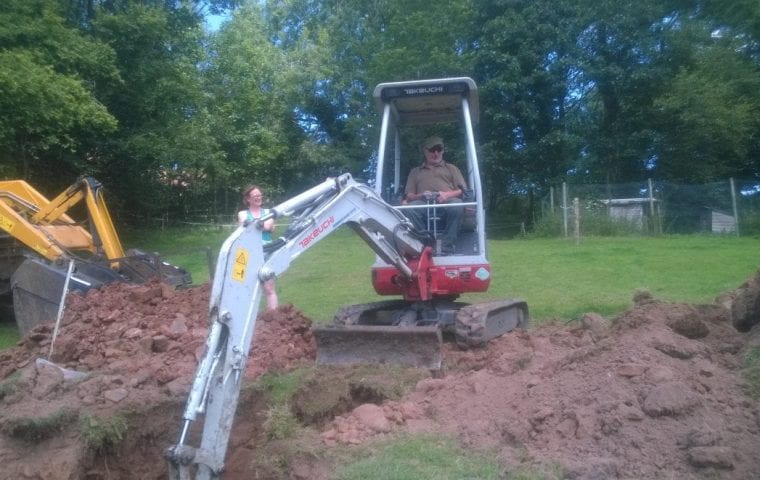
[[436, 181]]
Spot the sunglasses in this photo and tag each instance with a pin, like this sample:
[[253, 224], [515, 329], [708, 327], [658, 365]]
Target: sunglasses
[[435, 149]]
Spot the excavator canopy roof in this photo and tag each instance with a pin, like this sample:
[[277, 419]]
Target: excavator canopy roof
[[421, 102]]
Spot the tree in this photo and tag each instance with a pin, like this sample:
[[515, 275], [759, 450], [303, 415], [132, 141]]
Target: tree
[[161, 157], [357, 46], [709, 118], [49, 75], [525, 61], [251, 117]]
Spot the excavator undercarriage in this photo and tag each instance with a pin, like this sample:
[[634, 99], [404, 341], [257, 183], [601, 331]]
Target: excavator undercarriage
[[396, 331]]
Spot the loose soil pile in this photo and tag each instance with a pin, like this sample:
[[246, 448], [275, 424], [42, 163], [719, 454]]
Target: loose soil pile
[[655, 393]]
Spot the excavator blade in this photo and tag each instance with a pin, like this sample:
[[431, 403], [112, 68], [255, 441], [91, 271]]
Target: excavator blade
[[412, 346]]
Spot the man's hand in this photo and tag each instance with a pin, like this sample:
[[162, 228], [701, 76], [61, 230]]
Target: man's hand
[[430, 196]]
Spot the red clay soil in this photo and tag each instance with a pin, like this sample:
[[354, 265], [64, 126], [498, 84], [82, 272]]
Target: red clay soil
[[656, 393]]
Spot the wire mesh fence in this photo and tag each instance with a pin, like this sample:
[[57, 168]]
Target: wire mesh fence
[[651, 208]]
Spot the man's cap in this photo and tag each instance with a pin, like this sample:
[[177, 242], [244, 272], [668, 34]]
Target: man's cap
[[430, 142]]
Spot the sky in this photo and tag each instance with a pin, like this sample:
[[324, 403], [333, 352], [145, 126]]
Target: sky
[[213, 22]]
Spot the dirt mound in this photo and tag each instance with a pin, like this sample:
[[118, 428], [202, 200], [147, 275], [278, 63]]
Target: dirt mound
[[122, 349], [655, 393]]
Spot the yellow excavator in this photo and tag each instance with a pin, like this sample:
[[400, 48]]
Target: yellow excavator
[[43, 250]]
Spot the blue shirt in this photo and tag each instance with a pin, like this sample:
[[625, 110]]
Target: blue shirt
[[266, 236]]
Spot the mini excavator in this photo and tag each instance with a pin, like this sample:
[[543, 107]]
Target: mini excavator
[[409, 263]]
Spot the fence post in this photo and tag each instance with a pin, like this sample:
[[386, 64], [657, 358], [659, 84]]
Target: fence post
[[654, 218], [564, 207], [733, 203], [576, 220], [551, 199]]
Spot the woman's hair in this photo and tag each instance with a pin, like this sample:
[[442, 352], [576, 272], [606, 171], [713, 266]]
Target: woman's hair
[[246, 191]]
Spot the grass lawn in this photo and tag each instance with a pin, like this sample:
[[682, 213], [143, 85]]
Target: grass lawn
[[558, 279]]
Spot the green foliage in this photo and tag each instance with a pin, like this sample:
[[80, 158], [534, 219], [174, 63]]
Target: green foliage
[[709, 114], [594, 222], [36, 429], [174, 120], [548, 226], [102, 434], [600, 223], [47, 73], [749, 223], [415, 457]]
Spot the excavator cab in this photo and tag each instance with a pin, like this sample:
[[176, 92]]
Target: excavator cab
[[411, 111]]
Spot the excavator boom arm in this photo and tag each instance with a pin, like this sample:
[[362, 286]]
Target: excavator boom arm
[[241, 268]]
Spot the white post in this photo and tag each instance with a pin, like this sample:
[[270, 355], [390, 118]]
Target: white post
[[61, 307], [564, 207], [576, 220], [652, 222], [736, 208]]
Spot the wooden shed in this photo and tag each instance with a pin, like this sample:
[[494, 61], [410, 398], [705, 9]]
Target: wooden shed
[[717, 221], [633, 210]]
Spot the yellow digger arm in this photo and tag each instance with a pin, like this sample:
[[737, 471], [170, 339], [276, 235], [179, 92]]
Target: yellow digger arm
[[89, 190]]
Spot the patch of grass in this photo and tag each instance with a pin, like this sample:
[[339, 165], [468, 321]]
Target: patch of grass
[[330, 391], [280, 387], [8, 334], [280, 423], [102, 434], [559, 279], [751, 372], [9, 384], [35, 429], [417, 457], [275, 458], [562, 280]]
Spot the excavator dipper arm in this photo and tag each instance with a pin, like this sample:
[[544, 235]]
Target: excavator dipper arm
[[241, 268]]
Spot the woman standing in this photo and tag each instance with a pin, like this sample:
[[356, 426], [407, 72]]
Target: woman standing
[[253, 198]]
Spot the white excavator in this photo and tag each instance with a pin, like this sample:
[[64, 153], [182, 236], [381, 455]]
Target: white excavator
[[409, 264]]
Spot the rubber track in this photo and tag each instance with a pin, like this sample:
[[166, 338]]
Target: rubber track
[[470, 328]]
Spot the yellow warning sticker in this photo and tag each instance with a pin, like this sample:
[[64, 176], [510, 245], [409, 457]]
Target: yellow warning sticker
[[241, 263], [6, 223]]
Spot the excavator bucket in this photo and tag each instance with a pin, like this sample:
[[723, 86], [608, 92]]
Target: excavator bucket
[[37, 289], [412, 346]]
